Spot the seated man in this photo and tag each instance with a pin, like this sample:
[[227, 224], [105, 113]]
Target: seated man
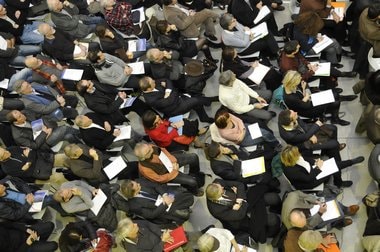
[[164, 98], [152, 168], [50, 135], [189, 21], [297, 203], [368, 27], [100, 98], [45, 101], [65, 16], [164, 64], [142, 195], [228, 202]]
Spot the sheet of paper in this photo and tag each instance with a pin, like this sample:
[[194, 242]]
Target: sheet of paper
[[39, 197], [322, 97], [3, 44], [137, 67], [166, 161], [259, 31], [252, 167], [142, 15], [125, 132], [37, 127], [72, 74], [175, 119], [241, 248], [323, 68], [331, 213], [264, 11], [314, 83], [98, 201], [128, 102], [115, 167], [259, 73], [318, 47], [329, 167], [255, 131], [137, 45], [4, 83]]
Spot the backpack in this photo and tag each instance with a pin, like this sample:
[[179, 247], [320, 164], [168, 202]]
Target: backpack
[[278, 97]]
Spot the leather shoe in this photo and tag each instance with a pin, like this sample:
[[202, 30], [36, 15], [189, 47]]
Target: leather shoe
[[199, 193], [349, 74], [352, 210], [211, 37], [280, 8], [347, 97], [357, 160], [347, 222], [342, 223], [340, 122], [342, 146], [346, 183], [338, 90], [337, 65]]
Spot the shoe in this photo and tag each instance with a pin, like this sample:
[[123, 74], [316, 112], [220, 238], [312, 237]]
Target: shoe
[[349, 74], [199, 193], [273, 114], [346, 183], [357, 160], [352, 210], [337, 65], [279, 8], [342, 223], [340, 122], [211, 37], [342, 146], [347, 53], [347, 97], [347, 222], [338, 90], [203, 131]]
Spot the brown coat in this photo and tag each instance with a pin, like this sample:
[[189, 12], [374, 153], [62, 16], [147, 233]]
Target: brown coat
[[370, 31]]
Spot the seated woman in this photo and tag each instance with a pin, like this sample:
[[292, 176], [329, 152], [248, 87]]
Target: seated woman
[[238, 36], [306, 29], [297, 97], [302, 172], [166, 134], [242, 69]]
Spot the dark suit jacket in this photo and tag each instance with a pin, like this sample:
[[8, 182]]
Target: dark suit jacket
[[23, 136], [297, 137], [230, 218], [243, 12], [94, 137]]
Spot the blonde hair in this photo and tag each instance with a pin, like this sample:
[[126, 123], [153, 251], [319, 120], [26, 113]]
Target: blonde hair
[[212, 192], [310, 240], [291, 80], [290, 155], [205, 243], [123, 228], [71, 150]]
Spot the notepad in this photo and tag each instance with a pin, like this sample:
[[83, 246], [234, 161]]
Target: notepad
[[98, 201], [318, 47], [322, 97], [125, 132], [323, 68], [175, 119], [128, 102], [331, 213], [259, 31], [115, 167], [137, 67], [166, 161], [264, 11], [72, 74], [252, 167], [259, 73], [137, 45], [329, 167], [39, 197], [255, 131]]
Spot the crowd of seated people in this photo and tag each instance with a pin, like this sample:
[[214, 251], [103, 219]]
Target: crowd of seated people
[[53, 122]]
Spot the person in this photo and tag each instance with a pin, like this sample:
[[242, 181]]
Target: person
[[167, 134], [45, 101], [238, 97], [306, 28], [228, 202], [28, 164], [297, 96], [296, 202], [189, 21], [162, 96], [152, 168], [118, 14], [311, 136], [218, 239], [18, 236], [77, 236], [165, 64], [302, 171], [240, 37], [299, 240], [174, 209], [243, 69], [66, 17], [50, 135], [369, 25]]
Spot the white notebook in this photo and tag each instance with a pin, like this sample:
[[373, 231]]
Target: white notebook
[[114, 168], [125, 132], [252, 167], [255, 131], [259, 31], [137, 67], [323, 97], [329, 167], [264, 11], [331, 213], [318, 47], [98, 201], [323, 68], [259, 73]]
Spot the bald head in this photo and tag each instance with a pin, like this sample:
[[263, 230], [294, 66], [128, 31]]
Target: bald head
[[32, 62], [46, 29], [297, 218]]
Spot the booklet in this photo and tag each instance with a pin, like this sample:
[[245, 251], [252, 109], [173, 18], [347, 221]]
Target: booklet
[[166, 161], [329, 167], [138, 15], [37, 127], [114, 168], [323, 68], [252, 167], [331, 213], [255, 131], [175, 119], [128, 102], [259, 73], [322, 97], [137, 67], [39, 197], [259, 31], [98, 201], [137, 45], [72, 74], [264, 11], [318, 47], [125, 132]]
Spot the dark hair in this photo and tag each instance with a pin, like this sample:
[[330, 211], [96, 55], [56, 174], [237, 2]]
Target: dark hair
[[212, 150], [167, 2], [148, 119], [10, 117], [161, 26], [93, 56], [291, 46], [228, 53], [284, 118], [81, 88], [373, 10], [225, 20], [100, 30], [309, 23], [221, 118]]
